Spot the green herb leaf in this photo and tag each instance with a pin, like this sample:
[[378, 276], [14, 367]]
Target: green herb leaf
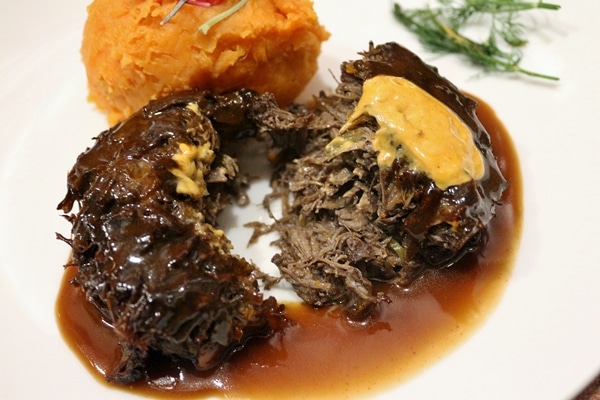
[[220, 17], [205, 27], [439, 30]]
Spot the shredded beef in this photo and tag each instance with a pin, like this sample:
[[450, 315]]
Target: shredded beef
[[152, 261], [347, 222], [149, 257]]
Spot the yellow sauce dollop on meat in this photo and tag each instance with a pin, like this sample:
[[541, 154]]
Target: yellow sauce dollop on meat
[[415, 125]]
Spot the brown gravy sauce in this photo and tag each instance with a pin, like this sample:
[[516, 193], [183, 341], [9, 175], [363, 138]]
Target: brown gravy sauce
[[323, 355]]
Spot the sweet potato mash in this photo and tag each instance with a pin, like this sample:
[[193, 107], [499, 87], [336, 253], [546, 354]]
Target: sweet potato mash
[[130, 58]]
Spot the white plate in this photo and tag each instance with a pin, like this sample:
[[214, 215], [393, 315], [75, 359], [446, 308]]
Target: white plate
[[543, 339]]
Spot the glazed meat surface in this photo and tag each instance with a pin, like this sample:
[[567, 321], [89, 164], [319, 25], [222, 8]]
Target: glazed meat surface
[[347, 222], [144, 241], [144, 201]]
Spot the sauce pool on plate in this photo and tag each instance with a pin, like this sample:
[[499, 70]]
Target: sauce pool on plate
[[322, 354]]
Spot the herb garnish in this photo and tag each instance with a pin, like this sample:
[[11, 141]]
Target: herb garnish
[[204, 28], [439, 30]]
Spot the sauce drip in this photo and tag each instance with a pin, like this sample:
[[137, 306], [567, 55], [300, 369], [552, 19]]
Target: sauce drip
[[323, 355]]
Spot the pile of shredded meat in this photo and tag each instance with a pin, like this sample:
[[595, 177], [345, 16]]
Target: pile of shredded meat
[[144, 240], [348, 222], [144, 200]]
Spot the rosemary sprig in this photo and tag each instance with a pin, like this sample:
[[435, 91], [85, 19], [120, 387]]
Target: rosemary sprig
[[439, 29], [205, 27]]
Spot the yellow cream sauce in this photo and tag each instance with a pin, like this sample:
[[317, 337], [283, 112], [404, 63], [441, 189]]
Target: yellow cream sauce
[[415, 125]]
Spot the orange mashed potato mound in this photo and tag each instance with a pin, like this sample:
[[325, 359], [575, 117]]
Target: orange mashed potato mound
[[130, 58]]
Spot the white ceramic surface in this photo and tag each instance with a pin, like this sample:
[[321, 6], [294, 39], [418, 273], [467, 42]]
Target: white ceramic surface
[[541, 342]]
